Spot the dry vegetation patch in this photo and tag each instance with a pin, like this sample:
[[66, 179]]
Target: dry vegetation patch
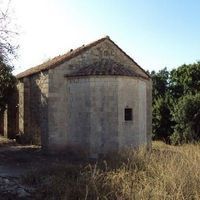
[[5, 142], [167, 173]]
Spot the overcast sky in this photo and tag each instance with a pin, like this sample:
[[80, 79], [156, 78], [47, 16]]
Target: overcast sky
[[155, 33]]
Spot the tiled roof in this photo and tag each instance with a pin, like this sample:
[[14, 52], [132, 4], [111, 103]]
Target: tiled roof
[[59, 59], [71, 54], [105, 67]]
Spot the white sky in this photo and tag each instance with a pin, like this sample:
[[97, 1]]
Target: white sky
[[156, 33], [46, 30]]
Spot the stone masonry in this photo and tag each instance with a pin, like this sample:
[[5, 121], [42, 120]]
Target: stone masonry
[[74, 102]]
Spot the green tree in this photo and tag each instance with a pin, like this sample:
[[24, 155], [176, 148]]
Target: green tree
[[7, 84], [185, 80], [187, 117], [7, 51], [185, 88], [175, 107], [160, 83], [162, 104], [162, 123], [7, 34]]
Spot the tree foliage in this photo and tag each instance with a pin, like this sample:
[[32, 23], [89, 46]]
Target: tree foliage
[[162, 120], [7, 51], [185, 80], [160, 83], [176, 105], [187, 117], [7, 84], [7, 34]]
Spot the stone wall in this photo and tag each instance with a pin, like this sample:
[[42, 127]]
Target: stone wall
[[20, 88], [12, 115], [60, 93], [33, 108], [27, 113], [9, 125], [1, 125], [132, 94], [92, 114], [95, 115], [149, 113], [5, 124], [103, 115], [83, 112]]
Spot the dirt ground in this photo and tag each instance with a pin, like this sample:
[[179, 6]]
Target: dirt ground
[[16, 161]]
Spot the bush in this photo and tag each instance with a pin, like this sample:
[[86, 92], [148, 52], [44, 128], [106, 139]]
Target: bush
[[162, 119], [187, 116], [7, 84], [167, 173]]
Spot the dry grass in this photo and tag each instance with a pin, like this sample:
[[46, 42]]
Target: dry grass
[[6, 142], [167, 173]]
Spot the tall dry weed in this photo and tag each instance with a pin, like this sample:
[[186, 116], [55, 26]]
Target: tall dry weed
[[167, 172]]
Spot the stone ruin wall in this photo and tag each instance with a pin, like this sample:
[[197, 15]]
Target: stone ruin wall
[[45, 113], [27, 113], [58, 93]]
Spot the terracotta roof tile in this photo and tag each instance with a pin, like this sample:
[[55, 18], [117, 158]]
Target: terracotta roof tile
[[59, 59], [69, 55], [105, 67]]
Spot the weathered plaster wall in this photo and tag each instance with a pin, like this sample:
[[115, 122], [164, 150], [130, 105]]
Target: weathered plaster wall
[[38, 107], [9, 118], [107, 49], [136, 94], [5, 123], [1, 125], [78, 113], [103, 115], [33, 108], [149, 113], [12, 117], [62, 129], [132, 94], [87, 112], [20, 88], [92, 114]]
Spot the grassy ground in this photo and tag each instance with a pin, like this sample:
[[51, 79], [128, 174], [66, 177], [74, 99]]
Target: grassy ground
[[167, 173]]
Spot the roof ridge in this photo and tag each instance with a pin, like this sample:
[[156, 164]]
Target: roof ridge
[[130, 58], [105, 67], [55, 61]]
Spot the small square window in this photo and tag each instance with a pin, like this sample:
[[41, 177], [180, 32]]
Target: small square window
[[128, 115]]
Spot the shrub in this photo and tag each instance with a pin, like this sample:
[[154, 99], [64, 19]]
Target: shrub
[[7, 84], [187, 116], [169, 172]]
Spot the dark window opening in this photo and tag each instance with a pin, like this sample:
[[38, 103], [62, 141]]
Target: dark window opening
[[128, 115]]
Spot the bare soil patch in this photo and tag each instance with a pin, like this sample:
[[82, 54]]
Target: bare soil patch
[[18, 160]]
